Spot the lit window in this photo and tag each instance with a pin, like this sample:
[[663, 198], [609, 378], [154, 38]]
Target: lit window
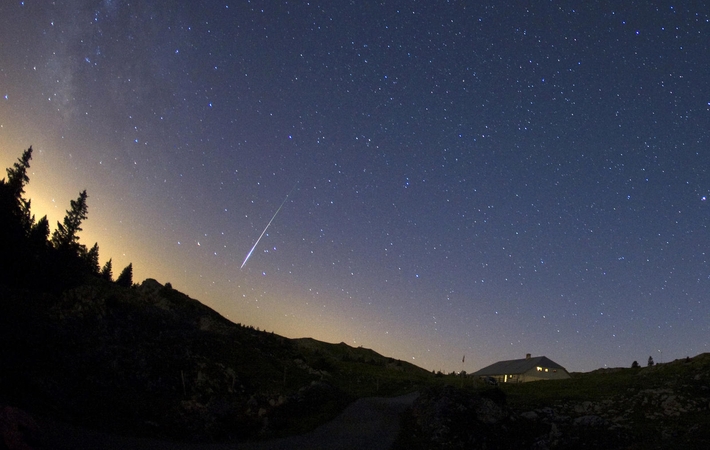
[[545, 369], [539, 369]]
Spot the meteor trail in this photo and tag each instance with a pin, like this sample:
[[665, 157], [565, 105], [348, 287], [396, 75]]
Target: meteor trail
[[267, 227]]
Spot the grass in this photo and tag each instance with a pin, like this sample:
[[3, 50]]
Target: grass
[[579, 388]]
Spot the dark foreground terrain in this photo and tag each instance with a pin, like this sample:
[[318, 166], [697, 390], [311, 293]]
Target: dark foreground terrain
[[368, 423], [666, 407], [148, 366], [149, 361]]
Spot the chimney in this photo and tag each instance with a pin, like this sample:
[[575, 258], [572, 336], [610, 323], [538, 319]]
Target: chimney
[[527, 356]]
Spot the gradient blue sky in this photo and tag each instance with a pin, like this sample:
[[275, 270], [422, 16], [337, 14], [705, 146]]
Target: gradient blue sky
[[489, 180]]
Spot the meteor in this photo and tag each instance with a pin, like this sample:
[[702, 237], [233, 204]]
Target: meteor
[[267, 227]]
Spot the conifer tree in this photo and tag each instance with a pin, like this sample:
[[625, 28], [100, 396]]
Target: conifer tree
[[92, 259], [125, 279], [15, 223], [17, 176], [15, 209], [39, 233], [107, 271], [65, 236]]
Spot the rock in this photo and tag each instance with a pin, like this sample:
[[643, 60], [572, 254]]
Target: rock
[[530, 415], [584, 407], [589, 421]]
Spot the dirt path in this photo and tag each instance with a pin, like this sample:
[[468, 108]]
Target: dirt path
[[371, 423]]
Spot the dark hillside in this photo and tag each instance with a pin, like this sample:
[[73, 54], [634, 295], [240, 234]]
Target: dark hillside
[[151, 361]]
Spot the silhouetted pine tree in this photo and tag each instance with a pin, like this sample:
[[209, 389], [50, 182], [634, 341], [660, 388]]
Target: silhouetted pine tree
[[17, 179], [92, 259], [15, 223], [39, 234], [125, 279], [40, 254], [65, 236], [68, 266], [107, 271]]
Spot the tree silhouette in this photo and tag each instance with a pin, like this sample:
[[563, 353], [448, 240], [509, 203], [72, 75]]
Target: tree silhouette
[[15, 223], [16, 217], [107, 271], [39, 233], [650, 361], [29, 259], [17, 177], [635, 365], [65, 236], [125, 279], [92, 259]]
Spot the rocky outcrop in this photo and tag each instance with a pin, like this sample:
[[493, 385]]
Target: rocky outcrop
[[616, 420], [450, 418]]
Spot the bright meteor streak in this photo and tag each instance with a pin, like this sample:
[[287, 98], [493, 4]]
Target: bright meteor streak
[[267, 227]]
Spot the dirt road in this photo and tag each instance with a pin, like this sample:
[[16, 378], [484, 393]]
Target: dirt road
[[371, 423]]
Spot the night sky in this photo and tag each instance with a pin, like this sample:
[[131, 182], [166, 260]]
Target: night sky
[[454, 179]]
